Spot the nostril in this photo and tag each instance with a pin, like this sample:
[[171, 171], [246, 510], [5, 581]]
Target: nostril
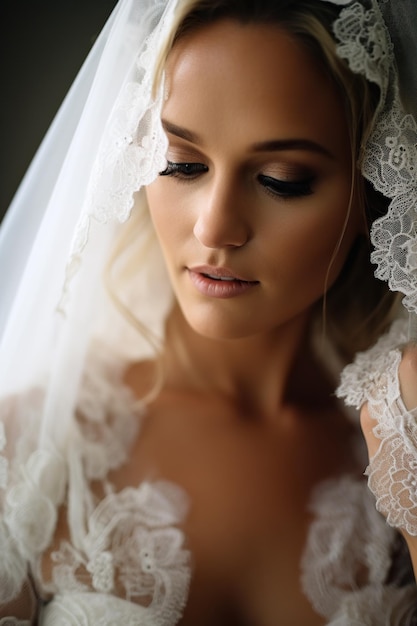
[[221, 230]]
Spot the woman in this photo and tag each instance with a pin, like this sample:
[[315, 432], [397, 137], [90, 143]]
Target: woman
[[241, 499]]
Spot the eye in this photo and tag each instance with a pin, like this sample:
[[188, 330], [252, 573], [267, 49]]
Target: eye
[[286, 188], [184, 171]]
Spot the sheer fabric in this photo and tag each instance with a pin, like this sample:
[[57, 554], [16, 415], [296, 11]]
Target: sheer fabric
[[373, 378], [125, 557], [67, 420], [124, 544]]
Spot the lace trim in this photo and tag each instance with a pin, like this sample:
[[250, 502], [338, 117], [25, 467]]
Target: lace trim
[[13, 567], [392, 471], [128, 545], [33, 484], [348, 546], [40, 478], [374, 606], [368, 378], [94, 609], [348, 558], [134, 145], [133, 550], [109, 415], [390, 157]]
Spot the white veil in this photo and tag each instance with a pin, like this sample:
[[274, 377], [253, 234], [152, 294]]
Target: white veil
[[107, 142], [79, 188], [104, 145]]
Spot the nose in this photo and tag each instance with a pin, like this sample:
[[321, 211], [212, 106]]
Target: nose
[[221, 215]]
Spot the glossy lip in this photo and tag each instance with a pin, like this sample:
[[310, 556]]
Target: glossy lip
[[205, 279], [219, 272]]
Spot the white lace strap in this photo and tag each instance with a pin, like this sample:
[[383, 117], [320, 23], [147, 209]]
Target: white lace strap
[[392, 471]]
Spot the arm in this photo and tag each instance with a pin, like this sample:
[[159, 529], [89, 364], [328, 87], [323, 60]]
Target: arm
[[406, 469]]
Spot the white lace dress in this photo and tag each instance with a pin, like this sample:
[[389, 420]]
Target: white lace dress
[[126, 562]]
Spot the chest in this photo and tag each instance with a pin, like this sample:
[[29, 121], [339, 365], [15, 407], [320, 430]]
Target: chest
[[247, 525]]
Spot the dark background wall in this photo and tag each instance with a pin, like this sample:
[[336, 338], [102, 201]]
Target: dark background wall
[[42, 45]]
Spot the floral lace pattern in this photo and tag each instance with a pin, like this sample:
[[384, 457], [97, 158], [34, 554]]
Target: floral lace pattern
[[32, 487], [370, 378], [389, 160], [134, 145], [125, 559], [127, 545], [392, 471], [373, 606], [95, 609], [108, 421], [132, 550], [365, 42], [348, 558]]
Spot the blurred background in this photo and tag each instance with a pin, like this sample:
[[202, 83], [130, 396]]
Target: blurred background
[[42, 46]]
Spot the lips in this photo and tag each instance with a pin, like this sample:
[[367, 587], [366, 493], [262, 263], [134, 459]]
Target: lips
[[220, 274], [227, 278], [219, 282]]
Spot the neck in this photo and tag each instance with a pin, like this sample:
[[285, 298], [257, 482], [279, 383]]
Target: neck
[[255, 372]]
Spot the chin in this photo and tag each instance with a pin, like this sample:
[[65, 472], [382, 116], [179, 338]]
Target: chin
[[222, 327], [220, 333]]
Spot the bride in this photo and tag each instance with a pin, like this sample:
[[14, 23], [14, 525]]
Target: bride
[[174, 447]]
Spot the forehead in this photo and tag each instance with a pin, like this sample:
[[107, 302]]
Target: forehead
[[252, 76]]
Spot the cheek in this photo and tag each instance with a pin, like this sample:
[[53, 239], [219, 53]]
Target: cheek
[[156, 200], [164, 213], [292, 244], [309, 248], [335, 229]]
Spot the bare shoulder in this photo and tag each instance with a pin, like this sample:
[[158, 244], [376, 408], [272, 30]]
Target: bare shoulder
[[408, 376]]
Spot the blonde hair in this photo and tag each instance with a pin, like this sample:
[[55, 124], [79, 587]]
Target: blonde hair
[[357, 307]]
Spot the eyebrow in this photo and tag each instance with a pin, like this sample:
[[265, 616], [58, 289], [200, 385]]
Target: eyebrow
[[292, 144], [273, 145], [178, 131]]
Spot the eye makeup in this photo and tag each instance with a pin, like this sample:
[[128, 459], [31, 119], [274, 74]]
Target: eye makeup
[[185, 171], [286, 188]]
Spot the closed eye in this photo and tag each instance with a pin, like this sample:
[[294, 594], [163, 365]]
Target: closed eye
[[286, 188], [184, 171]]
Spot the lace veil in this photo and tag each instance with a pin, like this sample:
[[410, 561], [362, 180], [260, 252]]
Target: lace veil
[[105, 144]]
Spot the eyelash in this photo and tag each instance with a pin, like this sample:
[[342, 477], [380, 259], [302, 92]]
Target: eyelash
[[286, 188], [273, 186], [184, 171]]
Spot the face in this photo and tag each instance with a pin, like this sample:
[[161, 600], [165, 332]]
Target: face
[[252, 213]]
